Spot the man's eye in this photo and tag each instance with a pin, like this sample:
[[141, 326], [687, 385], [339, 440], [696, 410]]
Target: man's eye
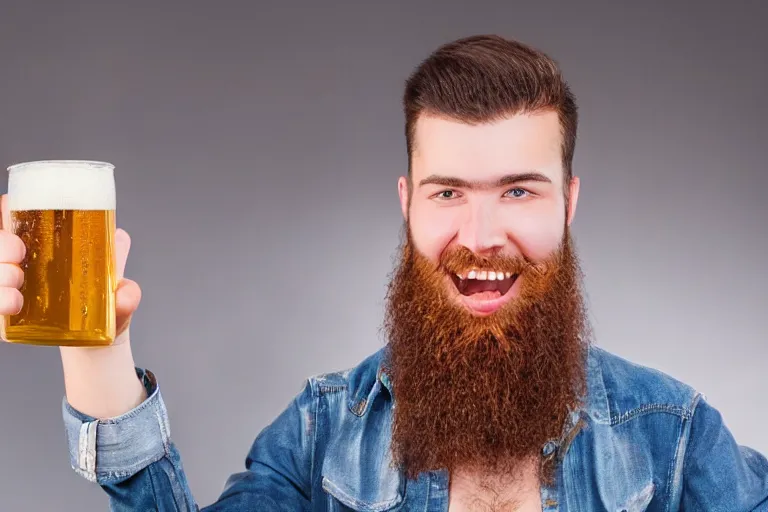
[[446, 194], [517, 192]]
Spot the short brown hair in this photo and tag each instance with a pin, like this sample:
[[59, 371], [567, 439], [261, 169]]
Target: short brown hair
[[483, 78]]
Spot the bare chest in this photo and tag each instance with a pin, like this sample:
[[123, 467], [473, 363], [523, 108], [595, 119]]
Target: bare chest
[[473, 493]]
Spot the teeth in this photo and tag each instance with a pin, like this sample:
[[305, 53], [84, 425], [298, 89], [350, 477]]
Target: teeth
[[485, 275]]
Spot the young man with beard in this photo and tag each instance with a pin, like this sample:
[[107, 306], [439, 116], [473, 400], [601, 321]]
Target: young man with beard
[[489, 395]]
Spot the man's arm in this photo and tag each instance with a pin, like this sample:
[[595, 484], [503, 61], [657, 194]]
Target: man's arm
[[719, 474], [134, 460]]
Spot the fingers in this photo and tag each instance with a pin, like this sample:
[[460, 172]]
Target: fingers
[[12, 249], [12, 252], [5, 221], [122, 248], [10, 301], [11, 275]]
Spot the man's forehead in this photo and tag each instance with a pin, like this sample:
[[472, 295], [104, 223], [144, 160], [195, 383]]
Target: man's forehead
[[486, 151]]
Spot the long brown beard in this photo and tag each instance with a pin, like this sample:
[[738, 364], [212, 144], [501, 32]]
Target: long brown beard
[[483, 393]]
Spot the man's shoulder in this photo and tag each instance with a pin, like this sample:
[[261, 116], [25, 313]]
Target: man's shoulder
[[626, 388], [361, 376]]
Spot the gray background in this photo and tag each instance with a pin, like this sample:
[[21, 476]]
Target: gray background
[[257, 151]]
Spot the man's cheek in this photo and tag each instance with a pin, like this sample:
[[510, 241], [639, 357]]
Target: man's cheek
[[537, 241], [432, 240]]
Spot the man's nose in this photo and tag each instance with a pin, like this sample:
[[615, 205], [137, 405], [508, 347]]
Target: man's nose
[[482, 232]]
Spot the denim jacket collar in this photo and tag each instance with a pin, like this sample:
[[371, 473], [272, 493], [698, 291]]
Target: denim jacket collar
[[365, 386], [369, 382]]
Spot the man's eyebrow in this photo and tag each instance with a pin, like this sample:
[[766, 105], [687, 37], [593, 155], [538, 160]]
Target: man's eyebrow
[[506, 180]]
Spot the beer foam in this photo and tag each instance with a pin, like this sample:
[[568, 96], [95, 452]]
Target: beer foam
[[61, 185]]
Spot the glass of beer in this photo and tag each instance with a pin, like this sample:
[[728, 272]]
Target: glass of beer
[[64, 211]]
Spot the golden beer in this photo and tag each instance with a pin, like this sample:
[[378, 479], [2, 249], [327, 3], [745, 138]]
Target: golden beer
[[64, 212]]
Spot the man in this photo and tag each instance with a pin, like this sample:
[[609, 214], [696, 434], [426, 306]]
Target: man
[[490, 395]]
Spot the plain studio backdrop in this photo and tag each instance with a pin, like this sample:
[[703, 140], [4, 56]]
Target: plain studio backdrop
[[257, 147]]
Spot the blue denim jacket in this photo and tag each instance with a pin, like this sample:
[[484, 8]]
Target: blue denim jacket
[[643, 441]]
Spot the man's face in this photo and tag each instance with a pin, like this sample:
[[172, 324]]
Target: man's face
[[485, 318], [495, 189]]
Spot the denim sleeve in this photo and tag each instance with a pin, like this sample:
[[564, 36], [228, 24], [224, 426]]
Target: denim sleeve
[[134, 460], [719, 474]]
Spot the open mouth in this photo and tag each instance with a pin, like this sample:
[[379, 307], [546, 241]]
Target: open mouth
[[484, 284]]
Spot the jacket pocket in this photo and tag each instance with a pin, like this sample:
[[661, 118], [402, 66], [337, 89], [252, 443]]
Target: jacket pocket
[[640, 501], [339, 501]]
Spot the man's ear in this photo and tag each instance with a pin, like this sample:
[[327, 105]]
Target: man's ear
[[573, 198], [403, 190]]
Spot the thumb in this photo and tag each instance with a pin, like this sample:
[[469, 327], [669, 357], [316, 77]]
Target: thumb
[[5, 219], [122, 248]]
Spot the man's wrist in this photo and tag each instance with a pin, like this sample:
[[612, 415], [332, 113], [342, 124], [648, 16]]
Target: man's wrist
[[102, 382]]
